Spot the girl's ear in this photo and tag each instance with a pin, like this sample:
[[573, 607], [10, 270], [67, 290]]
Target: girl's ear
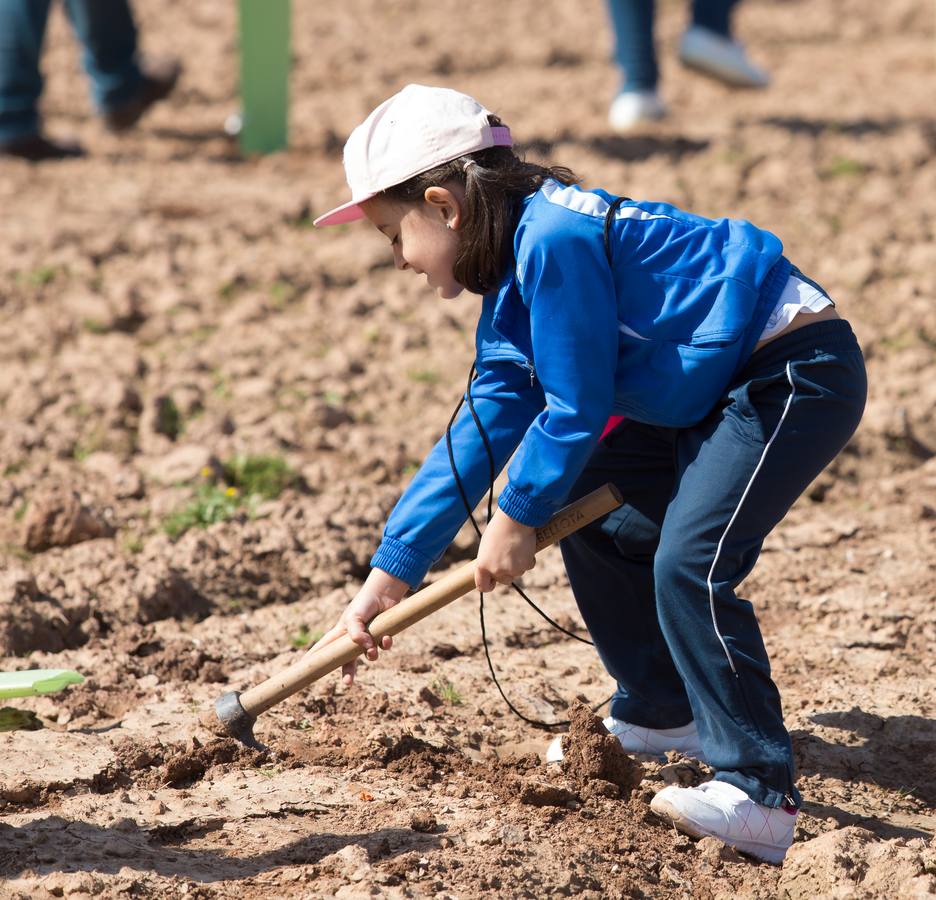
[[445, 205]]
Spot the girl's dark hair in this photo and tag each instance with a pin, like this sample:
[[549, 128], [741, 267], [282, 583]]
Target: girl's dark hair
[[495, 183]]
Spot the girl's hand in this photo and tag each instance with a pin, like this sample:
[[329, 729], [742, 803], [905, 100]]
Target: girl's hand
[[380, 591], [507, 550]]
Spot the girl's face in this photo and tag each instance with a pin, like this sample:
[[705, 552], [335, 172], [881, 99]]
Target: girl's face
[[423, 236]]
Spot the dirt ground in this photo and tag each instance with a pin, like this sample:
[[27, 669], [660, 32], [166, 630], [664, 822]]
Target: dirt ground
[[166, 306]]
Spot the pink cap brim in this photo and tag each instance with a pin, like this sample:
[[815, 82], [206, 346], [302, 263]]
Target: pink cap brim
[[347, 212]]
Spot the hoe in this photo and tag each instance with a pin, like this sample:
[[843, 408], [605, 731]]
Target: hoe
[[238, 711]]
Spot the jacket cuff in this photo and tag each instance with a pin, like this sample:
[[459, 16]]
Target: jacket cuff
[[402, 561], [523, 508]]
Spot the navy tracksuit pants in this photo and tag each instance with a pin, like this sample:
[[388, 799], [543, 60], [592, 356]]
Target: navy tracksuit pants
[[655, 579]]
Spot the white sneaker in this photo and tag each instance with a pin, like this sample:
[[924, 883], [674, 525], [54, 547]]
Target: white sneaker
[[632, 108], [721, 57], [721, 810], [637, 739]]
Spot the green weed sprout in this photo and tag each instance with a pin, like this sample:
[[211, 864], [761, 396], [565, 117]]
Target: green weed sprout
[[265, 476], [304, 638], [212, 503], [247, 480], [447, 691]]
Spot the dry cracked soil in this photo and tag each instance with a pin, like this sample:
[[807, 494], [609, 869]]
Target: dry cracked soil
[[166, 310]]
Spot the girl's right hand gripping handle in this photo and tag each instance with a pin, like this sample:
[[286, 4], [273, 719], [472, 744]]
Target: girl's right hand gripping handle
[[419, 605]]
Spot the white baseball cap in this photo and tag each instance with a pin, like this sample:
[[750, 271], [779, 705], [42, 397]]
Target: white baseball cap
[[414, 131]]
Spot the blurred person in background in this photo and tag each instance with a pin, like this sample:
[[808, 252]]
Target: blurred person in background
[[707, 46], [124, 86]]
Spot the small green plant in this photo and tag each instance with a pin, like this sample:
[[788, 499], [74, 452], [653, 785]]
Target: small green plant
[[79, 410], [39, 277], [833, 222], [843, 167], [220, 388], [906, 793], [261, 475], [17, 551], [896, 343], [21, 511], [212, 503], [282, 293], [97, 439], [168, 418], [302, 637], [303, 222], [424, 376], [231, 289], [290, 397], [202, 333], [133, 543], [14, 468], [447, 691], [247, 480], [95, 326]]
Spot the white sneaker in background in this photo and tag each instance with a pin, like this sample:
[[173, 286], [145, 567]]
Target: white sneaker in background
[[633, 108], [637, 739], [721, 810], [721, 57]]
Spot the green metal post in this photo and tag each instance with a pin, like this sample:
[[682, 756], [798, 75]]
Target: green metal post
[[264, 70]]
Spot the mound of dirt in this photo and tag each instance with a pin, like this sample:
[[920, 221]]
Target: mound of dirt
[[56, 517], [177, 660], [851, 862], [591, 754], [167, 594], [423, 762], [189, 765], [31, 620]]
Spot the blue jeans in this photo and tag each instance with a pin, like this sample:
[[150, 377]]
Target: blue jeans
[[634, 49], [107, 34], [655, 579]]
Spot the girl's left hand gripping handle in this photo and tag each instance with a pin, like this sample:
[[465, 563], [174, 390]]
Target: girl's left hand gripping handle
[[419, 605]]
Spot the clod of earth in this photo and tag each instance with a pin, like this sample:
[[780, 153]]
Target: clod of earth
[[591, 754], [541, 793], [31, 620], [57, 518], [167, 594], [424, 821], [188, 766]]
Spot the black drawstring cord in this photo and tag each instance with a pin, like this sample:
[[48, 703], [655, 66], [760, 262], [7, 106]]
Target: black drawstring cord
[[490, 505], [492, 475], [609, 218]]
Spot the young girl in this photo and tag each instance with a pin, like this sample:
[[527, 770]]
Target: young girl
[[737, 383]]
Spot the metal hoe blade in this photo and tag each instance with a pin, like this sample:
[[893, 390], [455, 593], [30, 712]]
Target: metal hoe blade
[[237, 722]]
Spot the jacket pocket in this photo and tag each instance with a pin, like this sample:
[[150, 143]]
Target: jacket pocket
[[715, 340]]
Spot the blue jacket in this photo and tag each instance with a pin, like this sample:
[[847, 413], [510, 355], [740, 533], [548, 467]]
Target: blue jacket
[[568, 340]]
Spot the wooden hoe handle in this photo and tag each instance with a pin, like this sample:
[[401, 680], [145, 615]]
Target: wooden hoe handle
[[417, 606]]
